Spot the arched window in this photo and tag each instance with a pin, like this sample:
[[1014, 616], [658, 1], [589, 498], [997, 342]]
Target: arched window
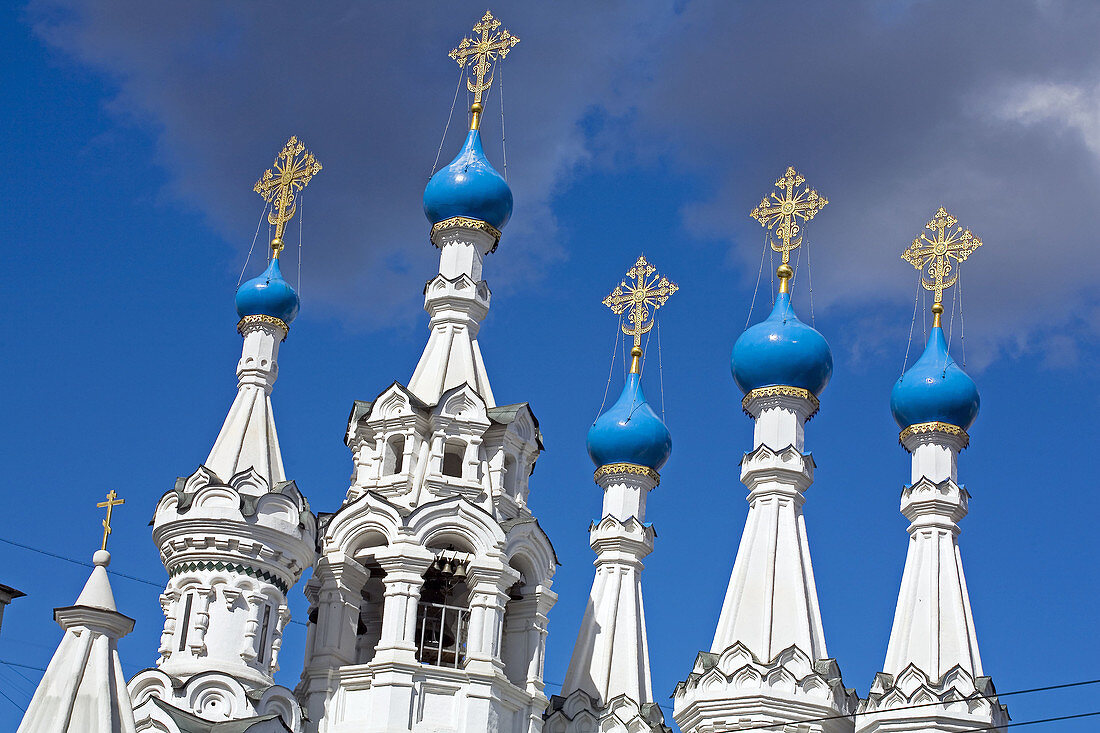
[[511, 476], [454, 453], [518, 647], [443, 614], [393, 457]]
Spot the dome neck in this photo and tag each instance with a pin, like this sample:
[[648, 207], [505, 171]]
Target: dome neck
[[636, 360], [475, 116]]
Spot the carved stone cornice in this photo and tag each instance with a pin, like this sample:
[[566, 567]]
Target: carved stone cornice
[[465, 222], [612, 468], [781, 390], [925, 428], [270, 320]]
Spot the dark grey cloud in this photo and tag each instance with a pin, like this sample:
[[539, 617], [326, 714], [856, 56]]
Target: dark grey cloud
[[989, 108], [890, 109], [368, 88]]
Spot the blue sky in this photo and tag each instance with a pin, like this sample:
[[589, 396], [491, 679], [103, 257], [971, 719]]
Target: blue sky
[[133, 139]]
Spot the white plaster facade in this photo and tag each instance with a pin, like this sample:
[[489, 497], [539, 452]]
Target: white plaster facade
[[429, 599]]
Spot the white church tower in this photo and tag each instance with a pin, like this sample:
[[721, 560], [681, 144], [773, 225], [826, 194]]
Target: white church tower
[[608, 687], [429, 601], [83, 690], [768, 664], [933, 651], [235, 535]]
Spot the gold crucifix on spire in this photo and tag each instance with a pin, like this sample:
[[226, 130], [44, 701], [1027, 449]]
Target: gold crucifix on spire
[[482, 50], [649, 290], [294, 168], [933, 256], [784, 213], [110, 504]]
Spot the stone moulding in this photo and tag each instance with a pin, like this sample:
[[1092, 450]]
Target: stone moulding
[[791, 672], [781, 390], [923, 428], [230, 567], [270, 320], [465, 222], [612, 468], [580, 713], [974, 699]]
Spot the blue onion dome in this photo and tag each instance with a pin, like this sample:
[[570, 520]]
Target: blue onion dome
[[781, 351], [268, 295], [630, 431], [469, 187], [935, 389]]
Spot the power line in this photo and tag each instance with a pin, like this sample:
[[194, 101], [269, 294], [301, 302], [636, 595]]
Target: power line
[[73, 560], [79, 562], [1065, 685]]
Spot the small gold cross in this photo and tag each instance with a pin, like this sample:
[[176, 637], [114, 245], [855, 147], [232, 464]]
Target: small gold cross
[[784, 213], [933, 256], [649, 290], [110, 504], [280, 186], [485, 47]]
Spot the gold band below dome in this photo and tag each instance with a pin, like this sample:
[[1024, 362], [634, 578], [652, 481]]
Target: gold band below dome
[[465, 222], [923, 428], [634, 468], [781, 390], [272, 320]]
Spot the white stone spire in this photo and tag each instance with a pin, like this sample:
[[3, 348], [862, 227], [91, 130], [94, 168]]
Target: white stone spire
[[248, 439], [608, 686], [83, 690], [771, 601], [933, 650], [768, 662], [457, 299]]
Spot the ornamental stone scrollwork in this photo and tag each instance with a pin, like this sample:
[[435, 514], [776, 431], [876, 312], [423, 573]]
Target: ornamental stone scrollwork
[[262, 319], [613, 468], [924, 428], [230, 567], [781, 390], [465, 222]]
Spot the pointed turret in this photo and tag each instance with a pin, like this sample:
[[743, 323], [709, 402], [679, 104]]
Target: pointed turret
[[83, 689], [768, 664], [933, 650], [608, 685], [235, 535]]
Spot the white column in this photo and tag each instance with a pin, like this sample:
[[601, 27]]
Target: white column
[[196, 641], [403, 582], [488, 598], [341, 585]]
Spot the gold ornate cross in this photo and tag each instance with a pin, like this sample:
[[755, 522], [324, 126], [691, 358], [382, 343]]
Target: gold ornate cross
[[482, 50], [294, 168], [649, 290], [784, 213], [933, 256], [110, 504]]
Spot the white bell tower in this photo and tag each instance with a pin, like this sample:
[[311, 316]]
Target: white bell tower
[[429, 601]]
